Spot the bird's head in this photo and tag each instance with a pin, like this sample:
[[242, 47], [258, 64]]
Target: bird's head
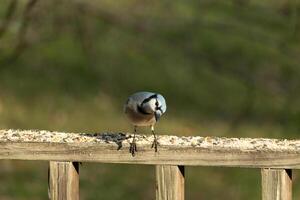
[[155, 104]]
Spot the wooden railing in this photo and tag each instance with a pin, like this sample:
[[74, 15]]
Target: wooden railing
[[276, 158]]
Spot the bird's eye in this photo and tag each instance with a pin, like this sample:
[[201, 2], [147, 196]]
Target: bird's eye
[[156, 103]]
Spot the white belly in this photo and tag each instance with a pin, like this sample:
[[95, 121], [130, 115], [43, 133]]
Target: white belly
[[138, 119]]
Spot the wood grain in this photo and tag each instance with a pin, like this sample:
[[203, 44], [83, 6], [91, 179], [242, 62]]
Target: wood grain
[[276, 184], [170, 155], [173, 150], [169, 182], [63, 181]]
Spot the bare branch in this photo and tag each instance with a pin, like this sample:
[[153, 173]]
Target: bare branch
[[21, 42], [24, 27], [8, 16]]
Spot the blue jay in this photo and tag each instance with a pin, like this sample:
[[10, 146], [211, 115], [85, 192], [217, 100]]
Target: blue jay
[[144, 109]]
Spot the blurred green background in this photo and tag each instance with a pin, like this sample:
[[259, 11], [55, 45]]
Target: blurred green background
[[226, 68]]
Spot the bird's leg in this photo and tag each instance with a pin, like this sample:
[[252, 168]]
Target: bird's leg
[[155, 143], [132, 148]]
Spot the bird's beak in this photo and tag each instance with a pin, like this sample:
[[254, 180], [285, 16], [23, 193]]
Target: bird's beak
[[157, 115]]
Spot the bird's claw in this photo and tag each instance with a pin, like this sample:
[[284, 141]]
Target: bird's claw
[[132, 148], [155, 144]]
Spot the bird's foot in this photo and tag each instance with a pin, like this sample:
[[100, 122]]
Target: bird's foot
[[132, 148], [155, 144]]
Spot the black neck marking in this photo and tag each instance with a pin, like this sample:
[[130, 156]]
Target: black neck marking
[[141, 110], [149, 98], [159, 108]]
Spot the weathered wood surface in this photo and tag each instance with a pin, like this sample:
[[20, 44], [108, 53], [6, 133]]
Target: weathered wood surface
[[173, 150], [169, 182], [63, 181], [276, 184]]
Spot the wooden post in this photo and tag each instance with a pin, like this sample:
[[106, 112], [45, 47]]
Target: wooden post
[[169, 182], [276, 184], [64, 180]]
